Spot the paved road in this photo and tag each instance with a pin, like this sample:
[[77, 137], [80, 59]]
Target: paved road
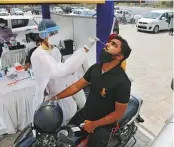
[[150, 66]]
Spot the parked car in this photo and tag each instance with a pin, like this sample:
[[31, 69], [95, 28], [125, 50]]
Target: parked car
[[116, 8], [91, 13], [154, 21], [36, 10], [83, 8], [16, 11], [3, 12], [57, 10], [21, 25], [26, 9], [74, 8], [81, 12], [130, 16]]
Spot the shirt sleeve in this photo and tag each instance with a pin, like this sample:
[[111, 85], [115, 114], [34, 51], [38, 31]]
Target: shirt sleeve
[[87, 75], [122, 92]]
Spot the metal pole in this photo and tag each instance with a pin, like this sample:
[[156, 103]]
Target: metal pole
[[45, 11], [105, 17]]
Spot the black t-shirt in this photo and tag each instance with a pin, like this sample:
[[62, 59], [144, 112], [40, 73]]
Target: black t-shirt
[[105, 89]]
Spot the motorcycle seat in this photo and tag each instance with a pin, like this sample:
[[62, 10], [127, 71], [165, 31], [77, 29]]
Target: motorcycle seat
[[131, 111]]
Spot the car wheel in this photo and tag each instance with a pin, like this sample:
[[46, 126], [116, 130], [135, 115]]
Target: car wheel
[[156, 29]]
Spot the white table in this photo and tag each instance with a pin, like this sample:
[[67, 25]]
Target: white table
[[16, 103]]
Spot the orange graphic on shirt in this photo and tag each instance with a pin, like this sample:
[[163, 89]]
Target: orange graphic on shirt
[[103, 92]]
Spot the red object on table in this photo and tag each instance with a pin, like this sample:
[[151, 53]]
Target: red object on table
[[18, 68]]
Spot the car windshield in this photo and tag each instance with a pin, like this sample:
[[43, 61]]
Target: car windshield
[[153, 15]]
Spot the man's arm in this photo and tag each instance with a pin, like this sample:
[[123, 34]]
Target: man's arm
[[76, 87], [120, 109], [114, 116], [73, 89]]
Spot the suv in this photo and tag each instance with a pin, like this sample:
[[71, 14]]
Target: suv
[[21, 25], [155, 21]]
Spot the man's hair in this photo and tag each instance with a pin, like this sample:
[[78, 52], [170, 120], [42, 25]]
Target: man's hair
[[125, 48], [2, 20]]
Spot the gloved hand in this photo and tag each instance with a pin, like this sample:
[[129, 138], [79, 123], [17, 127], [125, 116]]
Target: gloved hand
[[92, 40]]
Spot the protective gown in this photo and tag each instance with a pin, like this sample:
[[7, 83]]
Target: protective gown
[[53, 75]]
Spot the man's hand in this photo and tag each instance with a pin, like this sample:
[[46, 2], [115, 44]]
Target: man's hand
[[89, 126]]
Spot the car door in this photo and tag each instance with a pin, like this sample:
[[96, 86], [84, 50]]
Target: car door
[[163, 22]]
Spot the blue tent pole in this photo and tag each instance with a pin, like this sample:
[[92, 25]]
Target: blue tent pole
[[45, 11], [105, 16]]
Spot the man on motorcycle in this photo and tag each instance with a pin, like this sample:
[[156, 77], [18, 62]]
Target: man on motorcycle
[[109, 93]]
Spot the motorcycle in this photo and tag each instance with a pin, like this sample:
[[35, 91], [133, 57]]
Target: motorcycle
[[70, 135]]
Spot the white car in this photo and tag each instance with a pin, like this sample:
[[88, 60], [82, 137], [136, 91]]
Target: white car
[[21, 25], [154, 21], [79, 12], [130, 16], [3, 12], [74, 8], [16, 11], [57, 10]]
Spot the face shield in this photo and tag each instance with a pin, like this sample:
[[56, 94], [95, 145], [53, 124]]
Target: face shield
[[52, 34]]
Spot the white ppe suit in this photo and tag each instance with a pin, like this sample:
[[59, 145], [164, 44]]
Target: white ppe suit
[[48, 70]]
